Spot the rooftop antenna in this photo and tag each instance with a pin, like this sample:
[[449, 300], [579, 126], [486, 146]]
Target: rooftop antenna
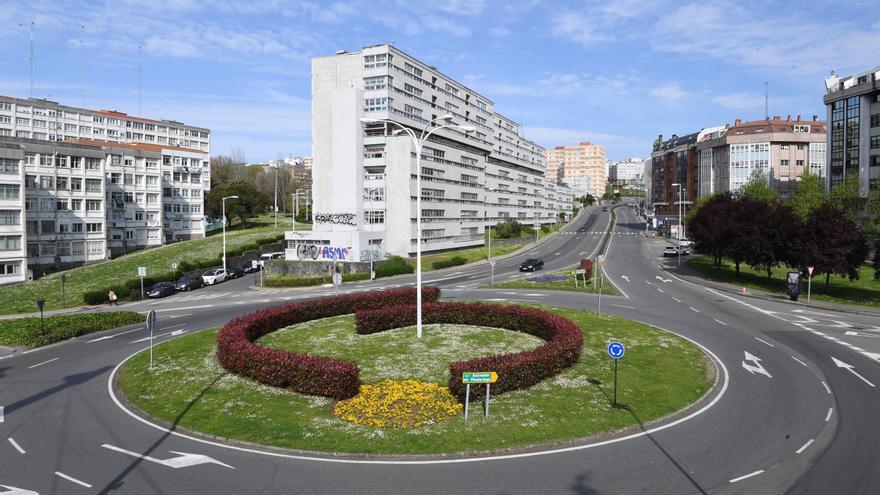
[[766, 100], [140, 91], [82, 66]]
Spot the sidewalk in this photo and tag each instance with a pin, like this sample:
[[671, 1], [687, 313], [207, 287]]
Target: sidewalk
[[64, 311], [689, 274]]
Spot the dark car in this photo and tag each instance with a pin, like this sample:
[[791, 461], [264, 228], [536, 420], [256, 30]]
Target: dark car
[[531, 265], [605, 208], [161, 289], [251, 267], [189, 283], [235, 272]]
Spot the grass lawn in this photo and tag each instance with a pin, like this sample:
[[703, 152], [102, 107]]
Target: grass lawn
[[865, 290], [567, 284], [661, 373], [470, 254], [21, 298], [28, 332]]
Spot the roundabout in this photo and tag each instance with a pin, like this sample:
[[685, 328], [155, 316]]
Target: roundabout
[[189, 391]]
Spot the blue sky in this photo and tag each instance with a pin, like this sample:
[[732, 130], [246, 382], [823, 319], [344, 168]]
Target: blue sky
[[617, 73]]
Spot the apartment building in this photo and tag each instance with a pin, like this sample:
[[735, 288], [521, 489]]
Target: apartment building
[[13, 260], [364, 166], [781, 149], [853, 145], [673, 161], [625, 172], [583, 160]]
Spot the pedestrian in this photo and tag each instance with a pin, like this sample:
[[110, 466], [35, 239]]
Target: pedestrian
[[112, 297]]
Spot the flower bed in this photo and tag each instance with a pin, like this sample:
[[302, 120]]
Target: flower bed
[[515, 370], [399, 404], [548, 278], [303, 373]]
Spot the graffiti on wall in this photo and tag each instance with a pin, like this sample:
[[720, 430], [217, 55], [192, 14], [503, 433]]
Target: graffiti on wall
[[307, 251], [336, 218], [334, 253], [371, 254], [314, 252]]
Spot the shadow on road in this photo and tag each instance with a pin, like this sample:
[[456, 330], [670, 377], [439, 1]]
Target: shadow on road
[[69, 381], [117, 482]]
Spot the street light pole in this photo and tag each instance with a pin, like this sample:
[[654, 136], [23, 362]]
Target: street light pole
[[276, 195], [224, 228], [680, 189], [418, 141]]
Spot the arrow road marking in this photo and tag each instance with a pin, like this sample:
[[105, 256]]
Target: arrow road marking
[[100, 338], [664, 280], [625, 277], [857, 334], [11, 490], [849, 367], [754, 368], [184, 459]]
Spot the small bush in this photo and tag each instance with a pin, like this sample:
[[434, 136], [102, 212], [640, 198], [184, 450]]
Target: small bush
[[26, 331], [303, 373], [515, 370], [395, 265], [288, 281], [587, 265], [454, 261], [93, 297], [508, 229]]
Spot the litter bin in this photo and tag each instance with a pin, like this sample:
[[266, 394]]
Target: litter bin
[[793, 284]]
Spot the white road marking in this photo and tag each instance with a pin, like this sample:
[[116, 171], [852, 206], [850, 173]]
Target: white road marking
[[719, 321], [70, 478], [828, 416], [622, 306], [798, 451], [676, 299], [695, 310], [851, 369], [747, 476], [44, 362], [185, 308], [183, 460], [648, 282], [625, 278], [826, 387], [100, 339], [2, 418], [754, 368], [764, 342], [660, 290], [798, 360], [16, 446]]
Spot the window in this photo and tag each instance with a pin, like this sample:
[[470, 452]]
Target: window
[[94, 227], [61, 183], [152, 199], [452, 89], [802, 129], [376, 82], [434, 193], [61, 205], [75, 161], [96, 247], [433, 213], [75, 184], [10, 268], [93, 185], [21, 121], [93, 163], [374, 193], [9, 191], [76, 248], [409, 88], [76, 204], [152, 180], [152, 163], [480, 104], [412, 69], [875, 161], [93, 205], [8, 166], [783, 163], [875, 141], [129, 179], [378, 60], [469, 196], [783, 147], [376, 104], [33, 227], [76, 228], [412, 110], [47, 226], [10, 217], [63, 249], [374, 216], [799, 163]]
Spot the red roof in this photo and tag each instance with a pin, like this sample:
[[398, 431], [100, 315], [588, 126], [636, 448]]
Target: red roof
[[134, 146]]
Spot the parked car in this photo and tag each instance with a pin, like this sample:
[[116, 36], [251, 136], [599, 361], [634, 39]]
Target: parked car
[[604, 208], [235, 272], [531, 265], [161, 289], [214, 276], [189, 283], [685, 243], [673, 251], [251, 267], [271, 256]]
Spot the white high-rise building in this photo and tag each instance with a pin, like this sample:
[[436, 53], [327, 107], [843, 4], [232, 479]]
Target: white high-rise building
[[364, 175], [626, 172]]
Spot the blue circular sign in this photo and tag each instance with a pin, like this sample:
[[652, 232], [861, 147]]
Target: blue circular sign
[[616, 350]]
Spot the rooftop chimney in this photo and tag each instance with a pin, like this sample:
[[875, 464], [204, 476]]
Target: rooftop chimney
[[798, 118], [815, 118], [737, 122], [777, 118], [788, 119]]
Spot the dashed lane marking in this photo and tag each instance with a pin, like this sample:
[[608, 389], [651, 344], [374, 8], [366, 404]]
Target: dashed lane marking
[[676, 299], [71, 478], [2, 418], [44, 362], [826, 387], [798, 360], [828, 416], [798, 451], [16, 446], [719, 321], [762, 341], [695, 310], [755, 473]]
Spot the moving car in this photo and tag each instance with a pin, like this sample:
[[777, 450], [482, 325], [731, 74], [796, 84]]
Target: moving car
[[605, 208], [531, 265], [271, 256], [673, 251], [161, 289], [214, 276], [189, 283], [235, 272], [685, 243]]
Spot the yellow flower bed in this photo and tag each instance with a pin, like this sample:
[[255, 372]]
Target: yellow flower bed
[[399, 404]]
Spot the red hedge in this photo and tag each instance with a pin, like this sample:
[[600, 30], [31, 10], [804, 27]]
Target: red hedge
[[303, 373], [515, 370]]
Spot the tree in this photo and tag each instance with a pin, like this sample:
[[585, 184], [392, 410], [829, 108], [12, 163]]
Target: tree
[[710, 227], [250, 202], [508, 229], [776, 227], [876, 260], [758, 188], [847, 195], [809, 194], [830, 242]]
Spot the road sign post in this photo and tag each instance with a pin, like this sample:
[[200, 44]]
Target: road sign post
[[809, 281], [337, 281], [580, 271], [40, 304], [600, 262], [492, 268], [616, 351], [142, 272], [63, 280], [469, 377], [151, 324]]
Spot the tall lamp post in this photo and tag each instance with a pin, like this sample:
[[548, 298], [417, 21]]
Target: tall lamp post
[[295, 204], [680, 190], [224, 229], [418, 141]]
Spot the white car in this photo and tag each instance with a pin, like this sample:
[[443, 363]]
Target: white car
[[685, 243], [215, 276]]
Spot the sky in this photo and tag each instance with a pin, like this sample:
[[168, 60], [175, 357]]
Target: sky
[[616, 72]]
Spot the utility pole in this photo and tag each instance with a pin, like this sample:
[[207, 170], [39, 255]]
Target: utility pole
[[276, 195], [766, 101], [82, 65], [140, 84]]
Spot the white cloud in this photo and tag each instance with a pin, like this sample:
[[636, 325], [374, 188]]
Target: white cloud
[[579, 28], [668, 92], [171, 47], [740, 100], [443, 25], [499, 31]]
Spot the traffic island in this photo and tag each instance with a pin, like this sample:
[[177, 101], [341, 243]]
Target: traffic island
[[188, 389]]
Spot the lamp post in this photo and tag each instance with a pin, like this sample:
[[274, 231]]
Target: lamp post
[[418, 141], [680, 189], [224, 229], [276, 195]]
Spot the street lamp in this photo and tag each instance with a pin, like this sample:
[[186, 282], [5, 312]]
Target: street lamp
[[295, 204], [418, 141], [680, 190], [224, 229]]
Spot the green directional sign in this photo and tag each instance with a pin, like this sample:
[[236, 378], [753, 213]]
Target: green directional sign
[[580, 271], [479, 377]]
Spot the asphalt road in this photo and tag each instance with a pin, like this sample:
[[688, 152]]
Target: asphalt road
[[794, 409]]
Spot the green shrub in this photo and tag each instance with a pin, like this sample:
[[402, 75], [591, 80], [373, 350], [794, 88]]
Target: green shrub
[[395, 265], [288, 281], [93, 297], [508, 229], [454, 261], [26, 331]]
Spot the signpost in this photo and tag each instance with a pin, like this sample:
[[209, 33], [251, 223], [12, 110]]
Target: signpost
[[809, 281], [468, 377], [492, 268], [337, 281], [40, 304], [600, 262], [151, 324], [615, 350], [580, 271], [63, 279], [142, 272]]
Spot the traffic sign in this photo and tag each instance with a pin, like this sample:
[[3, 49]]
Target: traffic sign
[[151, 320], [174, 266], [810, 270], [580, 271], [142, 271], [337, 278], [492, 262], [479, 377], [616, 350]]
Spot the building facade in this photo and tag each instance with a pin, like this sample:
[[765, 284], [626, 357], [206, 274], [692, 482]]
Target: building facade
[[779, 149], [627, 172], [584, 159], [364, 174], [13, 221], [673, 161], [853, 145]]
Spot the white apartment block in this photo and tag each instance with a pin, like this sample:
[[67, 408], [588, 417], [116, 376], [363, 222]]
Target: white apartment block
[[565, 163], [13, 261], [626, 172], [96, 191], [364, 175]]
